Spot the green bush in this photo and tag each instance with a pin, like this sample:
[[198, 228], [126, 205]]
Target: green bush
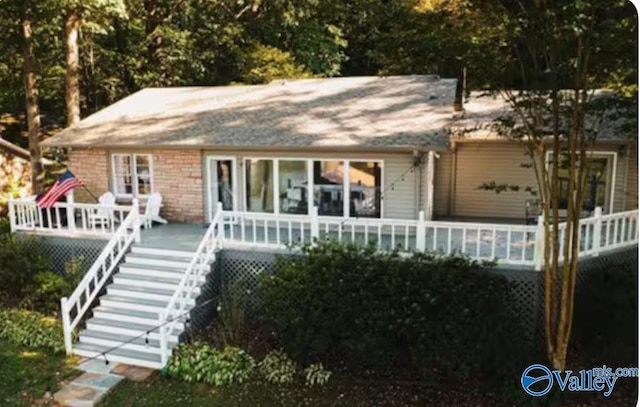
[[20, 261], [31, 329], [277, 368], [369, 310], [316, 375], [199, 362]]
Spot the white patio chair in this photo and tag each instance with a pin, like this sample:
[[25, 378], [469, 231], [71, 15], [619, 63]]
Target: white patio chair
[[152, 211], [103, 217]]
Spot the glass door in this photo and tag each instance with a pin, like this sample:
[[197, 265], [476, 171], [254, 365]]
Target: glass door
[[222, 183]]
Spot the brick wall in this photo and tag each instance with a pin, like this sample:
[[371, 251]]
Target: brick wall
[[177, 177], [90, 167]]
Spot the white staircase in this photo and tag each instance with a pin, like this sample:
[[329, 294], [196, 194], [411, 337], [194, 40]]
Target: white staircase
[[140, 292]]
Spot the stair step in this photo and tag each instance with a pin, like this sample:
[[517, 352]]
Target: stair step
[[155, 271], [127, 356], [155, 251], [130, 328], [145, 292], [125, 314], [167, 261], [130, 342], [150, 281], [140, 304]]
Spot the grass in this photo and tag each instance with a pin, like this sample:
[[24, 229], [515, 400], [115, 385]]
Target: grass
[[158, 391], [27, 374]]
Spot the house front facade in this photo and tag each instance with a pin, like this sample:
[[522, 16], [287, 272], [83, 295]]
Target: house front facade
[[369, 147]]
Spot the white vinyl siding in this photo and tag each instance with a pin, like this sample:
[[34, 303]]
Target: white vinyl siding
[[479, 163]]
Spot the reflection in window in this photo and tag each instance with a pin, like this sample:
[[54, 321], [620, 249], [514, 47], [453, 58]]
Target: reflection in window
[[365, 187], [132, 174], [259, 179], [328, 180], [293, 186], [143, 170], [595, 188]]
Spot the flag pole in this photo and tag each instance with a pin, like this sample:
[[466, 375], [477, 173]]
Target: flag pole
[[85, 187]]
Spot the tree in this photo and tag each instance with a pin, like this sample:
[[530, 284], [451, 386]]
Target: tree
[[557, 59], [76, 11]]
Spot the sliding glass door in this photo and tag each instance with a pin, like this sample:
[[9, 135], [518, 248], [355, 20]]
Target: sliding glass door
[[222, 183]]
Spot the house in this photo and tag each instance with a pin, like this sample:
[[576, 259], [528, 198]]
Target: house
[[247, 146], [374, 160]]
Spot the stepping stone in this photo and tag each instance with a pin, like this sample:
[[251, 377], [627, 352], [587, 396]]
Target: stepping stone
[[79, 396], [96, 366], [133, 373], [97, 380]]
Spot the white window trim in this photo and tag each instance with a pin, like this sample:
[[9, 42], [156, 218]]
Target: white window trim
[[234, 181], [614, 169], [134, 175], [311, 185]]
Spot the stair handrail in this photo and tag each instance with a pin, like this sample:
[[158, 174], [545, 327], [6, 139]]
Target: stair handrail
[[86, 292], [177, 306]]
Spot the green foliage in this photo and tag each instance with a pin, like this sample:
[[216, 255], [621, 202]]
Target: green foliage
[[199, 362], [264, 64], [31, 329], [316, 375], [20, 261], [277, 368], [348, 304]]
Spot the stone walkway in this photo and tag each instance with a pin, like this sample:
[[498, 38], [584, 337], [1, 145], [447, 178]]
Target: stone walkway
[[88, 389]]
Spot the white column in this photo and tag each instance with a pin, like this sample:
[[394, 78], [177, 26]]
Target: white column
[[12, 213], [597, 230], [315, 225], [137, 222], [420, 233], [71, 215], [429, 186], [346, 199], [538, 250], [66, 325]]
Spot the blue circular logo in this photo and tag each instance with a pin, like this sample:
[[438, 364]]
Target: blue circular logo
[[536, 374]]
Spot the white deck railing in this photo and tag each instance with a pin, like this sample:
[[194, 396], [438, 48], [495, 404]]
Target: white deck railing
[[69, 219], [506, 244], [78, 303], [198, 267]]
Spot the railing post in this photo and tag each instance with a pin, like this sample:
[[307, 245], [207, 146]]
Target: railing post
[[420, 232], [66, 325], [220, 234], [12, 214], [538, 249], [315, 224], [163, 342], [137, 224], [597, 231], [71, 211]]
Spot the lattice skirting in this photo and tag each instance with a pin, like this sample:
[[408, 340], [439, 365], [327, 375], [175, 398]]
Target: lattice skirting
[[67, 252]]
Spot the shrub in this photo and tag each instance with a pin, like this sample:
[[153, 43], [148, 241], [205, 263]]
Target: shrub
[[20, 261], [199, 362], [277, 368], [371, 310], [31, 329], [316, 375]]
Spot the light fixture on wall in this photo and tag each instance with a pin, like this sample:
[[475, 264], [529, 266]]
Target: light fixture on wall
[[622, 150]]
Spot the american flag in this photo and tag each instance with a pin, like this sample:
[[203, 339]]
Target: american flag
[[64, 184]]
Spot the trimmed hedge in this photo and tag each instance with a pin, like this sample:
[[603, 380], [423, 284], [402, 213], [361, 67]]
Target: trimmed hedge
[[353, 306], [31, 329]]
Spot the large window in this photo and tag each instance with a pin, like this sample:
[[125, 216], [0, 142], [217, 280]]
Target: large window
[[598, 187], [259, 182], [293, 186], [132, 174], [335, 187], [365, 189], [328, 187]]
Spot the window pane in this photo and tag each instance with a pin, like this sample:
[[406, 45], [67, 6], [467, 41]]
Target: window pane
[[123, 174], [328, 180], [293, 187], [143, 170], [596, 187], [259, 179], [224, 182], [365, 187]]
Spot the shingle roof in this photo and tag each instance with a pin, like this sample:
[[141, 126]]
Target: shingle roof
[[356, 112]]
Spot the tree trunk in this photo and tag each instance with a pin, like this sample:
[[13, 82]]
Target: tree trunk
[[72, 94], [33, 111]]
